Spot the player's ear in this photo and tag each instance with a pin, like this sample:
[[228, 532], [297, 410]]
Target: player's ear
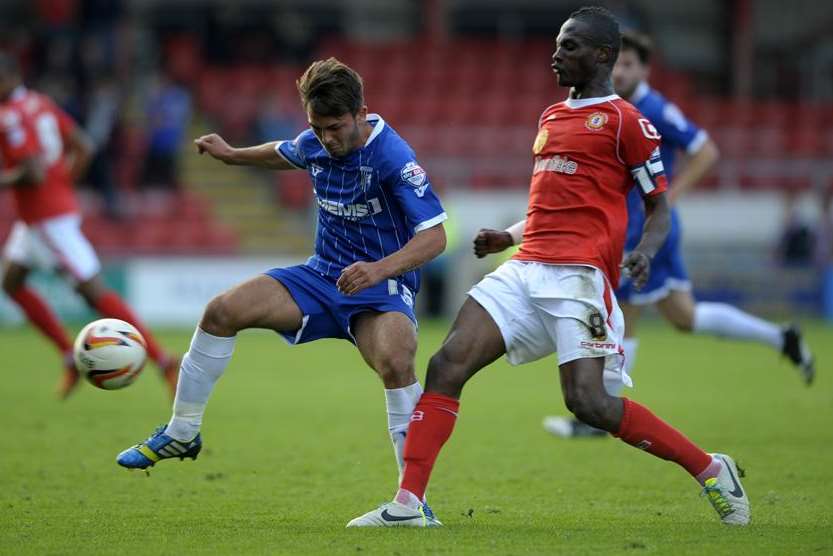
[[361, 115], [605, 56]]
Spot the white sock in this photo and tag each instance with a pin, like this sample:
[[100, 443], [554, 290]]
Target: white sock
[[400, 403], [201, 367], [720, 319]]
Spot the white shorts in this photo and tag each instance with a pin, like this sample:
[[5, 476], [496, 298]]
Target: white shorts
[[53, 244], [569, 309]]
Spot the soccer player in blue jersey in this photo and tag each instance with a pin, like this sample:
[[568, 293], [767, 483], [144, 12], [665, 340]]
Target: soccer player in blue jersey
[[378, 222], [669, 287]]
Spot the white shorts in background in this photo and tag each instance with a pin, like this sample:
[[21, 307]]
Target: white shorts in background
[[53, 244], [544, 308]]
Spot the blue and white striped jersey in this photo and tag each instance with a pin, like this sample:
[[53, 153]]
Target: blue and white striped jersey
[[678, 133], [370, 202]]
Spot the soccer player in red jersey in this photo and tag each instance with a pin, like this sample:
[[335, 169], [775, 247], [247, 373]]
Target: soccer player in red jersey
[[42, 152], [555, 295]]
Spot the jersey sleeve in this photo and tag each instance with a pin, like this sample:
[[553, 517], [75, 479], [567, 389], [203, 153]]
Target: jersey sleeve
[[412, 189], [640, 151], [679, 131], [293, 151], [18, 138]]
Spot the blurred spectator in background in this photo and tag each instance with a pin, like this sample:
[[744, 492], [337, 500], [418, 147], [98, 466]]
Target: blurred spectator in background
[[168, 113], [101, 123], [273, 120], [797, 242]]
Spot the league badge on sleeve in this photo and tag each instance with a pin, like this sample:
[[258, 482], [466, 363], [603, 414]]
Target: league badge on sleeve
[[540, 141], [416, 176]]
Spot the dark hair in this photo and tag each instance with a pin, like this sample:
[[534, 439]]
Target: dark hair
[[639, 43], [8, 64], [604, 28], [331, 88]]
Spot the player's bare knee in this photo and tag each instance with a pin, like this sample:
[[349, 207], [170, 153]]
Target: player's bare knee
[[396, 370], [587, 405], [683, 323], [13, 281], [10, 285], [218, 317], [446, 374]]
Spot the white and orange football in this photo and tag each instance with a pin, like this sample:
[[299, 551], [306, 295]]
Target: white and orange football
[[110, 353]]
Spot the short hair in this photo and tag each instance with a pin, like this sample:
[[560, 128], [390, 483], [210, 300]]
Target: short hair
[[604, 27], [639, 43], [8, 64], [331, 88]]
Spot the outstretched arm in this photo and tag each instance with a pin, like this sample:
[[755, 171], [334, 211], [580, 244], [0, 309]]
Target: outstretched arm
[[421, 248], [637, 263], [262, 156]]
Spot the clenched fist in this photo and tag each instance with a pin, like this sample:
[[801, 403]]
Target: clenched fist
[[637, 266], [214, 145], [491, 241]]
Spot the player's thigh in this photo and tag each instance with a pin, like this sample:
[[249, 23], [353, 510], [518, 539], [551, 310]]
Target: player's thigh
[[582, 379], [388, 343], [261, 302], [473, 342], [70, 249], [678, 309], [631, 313]]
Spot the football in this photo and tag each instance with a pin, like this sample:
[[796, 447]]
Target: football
[[110, 353]]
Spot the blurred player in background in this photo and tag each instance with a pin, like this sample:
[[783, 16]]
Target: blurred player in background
[[378, 222], [669, 287], [43, 152], [555, 295]]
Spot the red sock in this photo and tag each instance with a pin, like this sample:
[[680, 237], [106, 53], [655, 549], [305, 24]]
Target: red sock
[[431, 425], [646, 431], [111, 305], [39, 314]]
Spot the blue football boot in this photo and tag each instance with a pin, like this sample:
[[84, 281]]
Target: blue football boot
[[158, 447]]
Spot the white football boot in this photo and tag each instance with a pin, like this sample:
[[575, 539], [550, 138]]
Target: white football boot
[[726, 494], [394, 514]]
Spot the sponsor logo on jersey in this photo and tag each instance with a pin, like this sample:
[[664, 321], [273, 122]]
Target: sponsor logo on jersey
[[560, 164], [595, 121], [367, 176], [416, 176], [598, 345], [354, 211], [540, 141]]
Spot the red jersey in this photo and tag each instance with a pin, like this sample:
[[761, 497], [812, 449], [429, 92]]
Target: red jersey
[[587, 156], [32, 125]]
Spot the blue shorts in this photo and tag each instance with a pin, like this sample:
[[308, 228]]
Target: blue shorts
[[328, 313], [668, 271]]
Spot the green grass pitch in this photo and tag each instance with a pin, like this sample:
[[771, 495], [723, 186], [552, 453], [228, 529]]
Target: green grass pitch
[[296, 445]]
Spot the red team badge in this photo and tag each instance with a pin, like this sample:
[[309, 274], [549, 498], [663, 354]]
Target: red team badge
[[596, 121]]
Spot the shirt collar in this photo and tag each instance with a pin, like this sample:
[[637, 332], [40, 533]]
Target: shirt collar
[[640, 92], [583, 102], [377, 128]]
